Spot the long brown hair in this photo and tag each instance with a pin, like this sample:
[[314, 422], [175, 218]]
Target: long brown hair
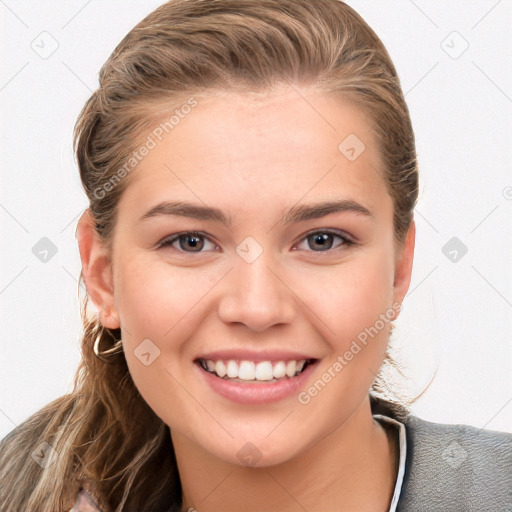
[[103, 430]]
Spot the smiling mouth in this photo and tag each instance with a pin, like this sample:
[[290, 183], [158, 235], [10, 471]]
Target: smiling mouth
[[252, 371]]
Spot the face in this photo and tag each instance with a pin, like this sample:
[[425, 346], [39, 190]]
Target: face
[[249, 241]]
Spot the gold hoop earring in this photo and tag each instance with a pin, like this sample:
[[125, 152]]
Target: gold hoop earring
[[117, 348]]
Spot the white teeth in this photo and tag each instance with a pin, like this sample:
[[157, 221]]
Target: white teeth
[[264, 371], [291, 368], [248, 370], [220, 368], [232, 369], [279, 370]]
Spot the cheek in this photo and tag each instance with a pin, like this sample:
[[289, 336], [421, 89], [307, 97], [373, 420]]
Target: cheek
[[353, 297], [353, 305], [154, 299], [158, 308], [163, 304]]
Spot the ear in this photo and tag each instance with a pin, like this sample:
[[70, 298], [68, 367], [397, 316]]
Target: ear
[[97, 270], [403, 265]]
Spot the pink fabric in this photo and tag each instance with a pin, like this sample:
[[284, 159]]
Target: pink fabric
[[88, 499], [85, 503]]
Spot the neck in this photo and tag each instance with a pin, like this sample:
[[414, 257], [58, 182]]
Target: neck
[[351, 469]]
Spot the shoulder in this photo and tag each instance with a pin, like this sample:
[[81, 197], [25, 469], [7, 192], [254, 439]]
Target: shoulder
[[456, 467], [450, 468]]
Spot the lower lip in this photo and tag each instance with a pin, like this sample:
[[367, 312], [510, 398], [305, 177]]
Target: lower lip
[[256, 392]]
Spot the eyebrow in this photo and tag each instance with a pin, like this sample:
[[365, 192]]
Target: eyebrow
[[295, 214]]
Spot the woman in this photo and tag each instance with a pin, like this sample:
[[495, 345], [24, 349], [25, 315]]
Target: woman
[[251, 174]]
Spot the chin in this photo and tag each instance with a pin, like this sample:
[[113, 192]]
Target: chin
[[256, 453]]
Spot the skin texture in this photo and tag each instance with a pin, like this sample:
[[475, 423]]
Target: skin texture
[[254, 159]]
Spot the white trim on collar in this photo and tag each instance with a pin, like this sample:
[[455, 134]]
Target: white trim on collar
[[403, 454]]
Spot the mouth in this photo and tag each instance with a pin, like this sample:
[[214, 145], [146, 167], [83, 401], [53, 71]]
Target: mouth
[[248, 371]]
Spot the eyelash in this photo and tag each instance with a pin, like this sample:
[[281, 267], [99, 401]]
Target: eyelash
[[346, 241]]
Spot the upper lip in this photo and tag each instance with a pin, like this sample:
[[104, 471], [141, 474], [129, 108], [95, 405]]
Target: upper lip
[[254, 355]]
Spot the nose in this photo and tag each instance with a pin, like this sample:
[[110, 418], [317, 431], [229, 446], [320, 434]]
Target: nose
[[256, 295]]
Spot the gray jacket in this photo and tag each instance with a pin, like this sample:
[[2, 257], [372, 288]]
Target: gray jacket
[[452, 468]]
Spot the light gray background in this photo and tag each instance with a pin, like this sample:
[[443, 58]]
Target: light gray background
[[457, 316]]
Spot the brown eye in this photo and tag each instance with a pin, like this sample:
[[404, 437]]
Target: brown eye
[[193, 242], [188, 242], [320, 241], [323, 241]]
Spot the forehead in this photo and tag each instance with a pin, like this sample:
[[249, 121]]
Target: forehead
[[277, 147]]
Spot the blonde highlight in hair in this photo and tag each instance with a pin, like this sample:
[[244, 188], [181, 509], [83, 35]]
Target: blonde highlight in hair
[[103, 431]]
